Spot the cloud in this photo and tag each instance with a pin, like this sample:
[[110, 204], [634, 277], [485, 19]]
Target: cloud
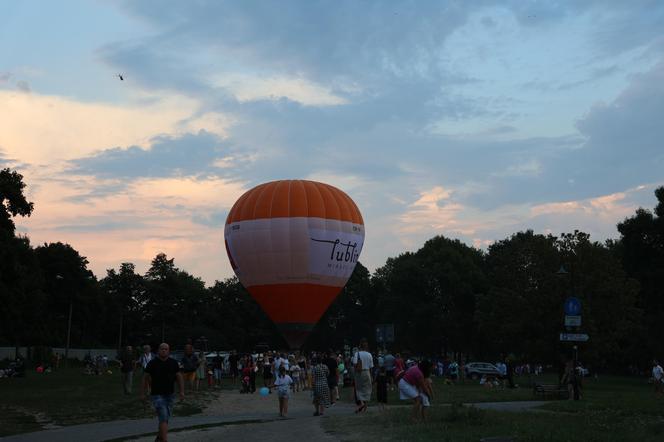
[[624, 137], [183, 217], [434, 211], [99, 224], [418, 111], [438, 211], [212, 219], [254, 87], [186, 155], [23, 86], [345, 39], [43, 129]]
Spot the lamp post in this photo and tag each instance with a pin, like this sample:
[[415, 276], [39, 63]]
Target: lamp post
[[71, 305]]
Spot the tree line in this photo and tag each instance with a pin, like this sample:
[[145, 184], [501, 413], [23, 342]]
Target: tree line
[[445, 298]]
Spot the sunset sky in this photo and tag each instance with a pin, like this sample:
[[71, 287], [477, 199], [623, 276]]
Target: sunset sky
[[470, 119]]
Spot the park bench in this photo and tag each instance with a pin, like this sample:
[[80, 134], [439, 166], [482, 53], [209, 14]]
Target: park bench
[[551, 391]]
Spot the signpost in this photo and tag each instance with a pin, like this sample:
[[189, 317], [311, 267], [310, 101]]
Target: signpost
[[574, 337], [572, 321], [572, 306]]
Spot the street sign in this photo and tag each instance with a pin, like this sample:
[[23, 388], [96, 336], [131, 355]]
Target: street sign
[[572, 306], [572, 321], [574, 337]]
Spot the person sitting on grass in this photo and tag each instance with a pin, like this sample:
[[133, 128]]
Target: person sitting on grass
[[489, 381], [415, 384], [283, 383]]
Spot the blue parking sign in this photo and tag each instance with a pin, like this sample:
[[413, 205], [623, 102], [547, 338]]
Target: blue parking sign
[[572, 306]]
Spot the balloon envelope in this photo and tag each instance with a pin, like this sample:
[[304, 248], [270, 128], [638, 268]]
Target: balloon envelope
[[293, 244], [264, 391]]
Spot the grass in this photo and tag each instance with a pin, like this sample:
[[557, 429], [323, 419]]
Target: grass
[[612, 409], [67, 397], [470, 391]]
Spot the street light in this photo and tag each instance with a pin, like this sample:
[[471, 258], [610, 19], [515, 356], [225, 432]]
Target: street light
[[71, 308], [71, 304]]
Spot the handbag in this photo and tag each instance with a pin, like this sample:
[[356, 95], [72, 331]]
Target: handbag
[[358, 364]]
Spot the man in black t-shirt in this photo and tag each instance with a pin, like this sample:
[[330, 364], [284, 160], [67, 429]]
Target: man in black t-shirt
[[160, 376]]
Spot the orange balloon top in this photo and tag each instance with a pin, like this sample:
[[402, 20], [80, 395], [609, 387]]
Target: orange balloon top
[[294, 198]]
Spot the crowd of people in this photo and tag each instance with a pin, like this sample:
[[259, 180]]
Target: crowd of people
[[324, 374], [321, 373]]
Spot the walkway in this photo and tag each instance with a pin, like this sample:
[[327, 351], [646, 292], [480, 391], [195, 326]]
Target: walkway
[[258, 421]]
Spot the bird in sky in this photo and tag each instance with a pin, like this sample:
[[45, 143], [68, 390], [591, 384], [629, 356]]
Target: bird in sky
[[120, 77]]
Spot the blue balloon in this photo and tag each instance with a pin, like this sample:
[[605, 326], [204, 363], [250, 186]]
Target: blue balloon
[[264, 391]]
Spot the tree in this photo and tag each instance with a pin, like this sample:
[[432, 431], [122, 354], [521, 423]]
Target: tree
[[22, 299], [127, 290], [161, 298], [520, 313], [610, 313], [430, 296], [237, 319], [19, 271], [350, 317], [12, 200], [641, 249], [68, 283]]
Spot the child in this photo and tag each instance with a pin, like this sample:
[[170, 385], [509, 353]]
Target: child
[[246, 379], [381, 390], [295, 374], [283, 383]]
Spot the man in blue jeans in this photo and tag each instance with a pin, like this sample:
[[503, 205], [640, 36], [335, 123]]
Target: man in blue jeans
[[159, 379]]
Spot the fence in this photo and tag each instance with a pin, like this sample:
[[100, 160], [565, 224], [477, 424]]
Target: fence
[[74, 353]]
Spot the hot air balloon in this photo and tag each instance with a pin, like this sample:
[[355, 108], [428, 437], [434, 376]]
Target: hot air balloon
[[293, 244]]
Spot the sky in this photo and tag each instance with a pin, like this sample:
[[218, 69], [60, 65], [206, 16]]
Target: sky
[[469, 119]]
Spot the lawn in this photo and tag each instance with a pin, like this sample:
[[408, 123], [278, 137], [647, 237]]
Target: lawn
[[471, 391], [612, 409], [67, 397]]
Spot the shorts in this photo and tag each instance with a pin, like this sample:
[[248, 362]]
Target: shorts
[[217, 374], [408, 391], [283, 394], [189, 375], [163, 405]]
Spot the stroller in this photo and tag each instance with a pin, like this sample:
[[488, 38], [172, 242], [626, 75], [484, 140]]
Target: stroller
[[246, 380]]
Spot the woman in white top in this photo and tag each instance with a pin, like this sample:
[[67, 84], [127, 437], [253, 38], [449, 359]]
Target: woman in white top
[[362, 364]]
